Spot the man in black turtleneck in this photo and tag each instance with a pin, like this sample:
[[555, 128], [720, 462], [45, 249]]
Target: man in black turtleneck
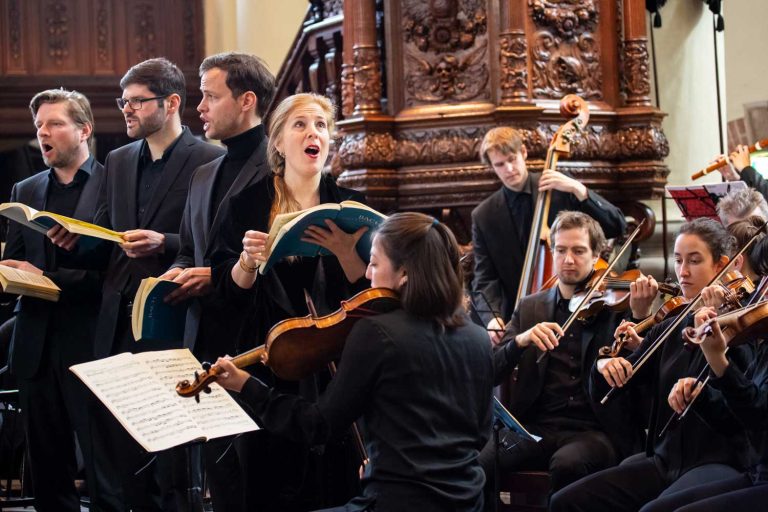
[[237, 88]]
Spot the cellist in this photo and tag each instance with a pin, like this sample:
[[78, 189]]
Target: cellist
[[501, 224]]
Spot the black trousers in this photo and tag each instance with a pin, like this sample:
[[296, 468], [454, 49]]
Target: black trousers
[[136, 480], [567, 455], [638, 483], [730, 496], [225, 480], [53, 410]]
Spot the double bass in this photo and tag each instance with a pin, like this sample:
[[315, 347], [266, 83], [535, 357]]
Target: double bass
[[537, 267]]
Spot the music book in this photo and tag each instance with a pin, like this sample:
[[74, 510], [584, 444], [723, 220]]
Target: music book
[[697, 201], [288, 229], [42, 221], [153, 319], [505, 417], [139, 390], [21, 282]]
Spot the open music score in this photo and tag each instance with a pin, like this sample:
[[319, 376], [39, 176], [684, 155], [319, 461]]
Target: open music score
[[139, 390]]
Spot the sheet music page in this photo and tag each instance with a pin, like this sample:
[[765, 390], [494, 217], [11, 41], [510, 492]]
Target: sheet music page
[[144, 405], [217, 414]]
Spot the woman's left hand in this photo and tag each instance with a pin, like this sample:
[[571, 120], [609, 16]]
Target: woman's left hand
[[232, 378], [334, 239]]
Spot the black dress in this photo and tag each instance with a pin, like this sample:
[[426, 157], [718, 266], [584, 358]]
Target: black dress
[[282, 474]]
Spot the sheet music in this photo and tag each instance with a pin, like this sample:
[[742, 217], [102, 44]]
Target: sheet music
[[217, 414], [139, 401], [140, 391]]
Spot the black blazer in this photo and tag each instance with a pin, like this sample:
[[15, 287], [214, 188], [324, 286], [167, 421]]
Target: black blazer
[[118, 211], [208, 329], [615, 418], [80, 289], [499, 256]]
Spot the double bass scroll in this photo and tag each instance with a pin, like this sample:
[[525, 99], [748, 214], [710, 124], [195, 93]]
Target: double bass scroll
[[537, 266]]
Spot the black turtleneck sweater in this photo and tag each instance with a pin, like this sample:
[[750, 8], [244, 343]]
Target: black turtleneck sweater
[[239, 150]]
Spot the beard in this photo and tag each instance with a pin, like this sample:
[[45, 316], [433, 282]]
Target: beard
[[143, 128], [64, 157]]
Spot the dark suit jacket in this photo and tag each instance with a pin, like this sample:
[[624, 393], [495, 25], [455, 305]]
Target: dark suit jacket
[[615, 418], [208, 330], [80, 289], [118, 211], [752, 178], [499, 256]]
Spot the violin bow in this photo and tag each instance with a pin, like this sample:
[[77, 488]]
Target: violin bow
[[358, 437], [596, 285], [684, 313], [675, 418]]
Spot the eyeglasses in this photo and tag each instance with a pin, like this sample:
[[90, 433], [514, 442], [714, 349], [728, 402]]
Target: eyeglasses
[[136, 103]]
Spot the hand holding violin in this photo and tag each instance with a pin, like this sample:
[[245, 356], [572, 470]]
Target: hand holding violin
[[232, 378], [631, 340], [544, 335], [642, 293], [713, 344], [495, 330], [713, 296], [683, 392]]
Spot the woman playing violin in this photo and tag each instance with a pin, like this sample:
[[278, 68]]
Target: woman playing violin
[[288, 475], [693, 454], [420, 377]]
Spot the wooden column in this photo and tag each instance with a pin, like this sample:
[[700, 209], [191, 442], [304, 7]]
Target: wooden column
[[635, 76], [348, 65], [513, 53], [367, 63]]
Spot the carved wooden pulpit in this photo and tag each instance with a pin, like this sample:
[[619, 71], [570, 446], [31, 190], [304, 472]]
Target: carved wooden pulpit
[[420, 82]]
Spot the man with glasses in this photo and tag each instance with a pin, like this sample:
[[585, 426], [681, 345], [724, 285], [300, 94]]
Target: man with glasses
[[145, 190]]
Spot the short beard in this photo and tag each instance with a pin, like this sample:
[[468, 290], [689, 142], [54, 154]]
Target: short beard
[[149, 125], [63, 159]]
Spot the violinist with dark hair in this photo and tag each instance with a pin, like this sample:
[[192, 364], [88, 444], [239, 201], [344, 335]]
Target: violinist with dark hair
[[692, 454], [550, 396], [419, 376]]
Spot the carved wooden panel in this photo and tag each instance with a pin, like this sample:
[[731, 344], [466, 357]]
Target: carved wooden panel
[[88, 45]]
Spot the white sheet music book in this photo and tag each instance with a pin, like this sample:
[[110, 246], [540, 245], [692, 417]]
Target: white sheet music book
[[140, 391]]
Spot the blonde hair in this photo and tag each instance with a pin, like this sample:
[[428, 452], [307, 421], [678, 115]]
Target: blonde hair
[[503, 139], [284, 201]]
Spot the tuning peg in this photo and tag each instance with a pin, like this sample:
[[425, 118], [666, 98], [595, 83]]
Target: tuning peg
[[197, 398], [206, 365], [207, 389]]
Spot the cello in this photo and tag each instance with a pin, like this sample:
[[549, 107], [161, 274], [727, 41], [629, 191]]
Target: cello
[[537, 267]]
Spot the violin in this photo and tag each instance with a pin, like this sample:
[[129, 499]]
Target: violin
[[613, 293], [738, 326], [737, 287], [669, 308], [537, 266], [722, 162], [298, 347]]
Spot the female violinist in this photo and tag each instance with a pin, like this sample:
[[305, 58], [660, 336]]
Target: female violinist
[[690, 455], [420, 377], [288, 476]]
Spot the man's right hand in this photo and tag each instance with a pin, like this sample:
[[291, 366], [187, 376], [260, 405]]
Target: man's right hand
[[615, 370], [544, 335], [62, 238]]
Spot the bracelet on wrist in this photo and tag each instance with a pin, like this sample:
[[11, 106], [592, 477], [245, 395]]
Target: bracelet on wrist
[[245, 266]]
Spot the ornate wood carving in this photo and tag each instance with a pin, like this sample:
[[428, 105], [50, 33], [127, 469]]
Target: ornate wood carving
[[103, 19], [367, 79], [513, 62], [367, 149], [636, 81], [14, 30], [144, 31], [190, 36], [565, 49], [57, 20], [446, 48]]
